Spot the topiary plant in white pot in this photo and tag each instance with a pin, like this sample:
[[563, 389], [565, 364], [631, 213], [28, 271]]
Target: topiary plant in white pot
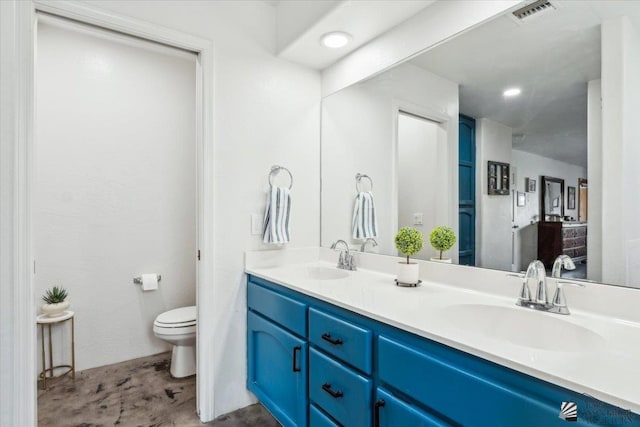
[[55, 301], [409, 242], [442, 239]]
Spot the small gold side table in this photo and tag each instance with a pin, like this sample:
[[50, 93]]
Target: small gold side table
[[44, 320]]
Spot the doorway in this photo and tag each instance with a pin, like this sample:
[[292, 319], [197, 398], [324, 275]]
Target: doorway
[[467, 190], [115, 186], [19, 47], [583, 200], [421, 175]]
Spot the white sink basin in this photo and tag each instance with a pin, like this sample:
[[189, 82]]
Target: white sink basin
[[524, 327], [325, 273]]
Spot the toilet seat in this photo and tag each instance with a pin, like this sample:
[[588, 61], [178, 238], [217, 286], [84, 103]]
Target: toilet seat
[[183, 317]]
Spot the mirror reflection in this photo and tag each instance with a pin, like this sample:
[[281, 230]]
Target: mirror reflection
[[497, 134], [552, 198]]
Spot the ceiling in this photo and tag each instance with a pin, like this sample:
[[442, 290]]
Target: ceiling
[[302, 23], [551, 58]]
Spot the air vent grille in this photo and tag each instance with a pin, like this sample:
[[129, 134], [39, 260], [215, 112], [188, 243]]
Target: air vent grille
[[533, 9]]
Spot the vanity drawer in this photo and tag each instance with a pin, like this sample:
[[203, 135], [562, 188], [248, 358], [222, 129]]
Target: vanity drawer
[[318, 419], [341, 392], [444, 385], [346, 341], [281, 309]]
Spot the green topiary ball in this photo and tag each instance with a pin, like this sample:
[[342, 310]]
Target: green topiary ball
[[409, 241], [442, 239]]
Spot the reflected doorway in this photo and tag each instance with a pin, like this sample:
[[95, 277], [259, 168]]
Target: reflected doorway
[[583, 199], [421, 176]]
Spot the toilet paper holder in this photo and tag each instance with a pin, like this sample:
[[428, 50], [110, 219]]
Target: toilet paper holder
[[138, 280]]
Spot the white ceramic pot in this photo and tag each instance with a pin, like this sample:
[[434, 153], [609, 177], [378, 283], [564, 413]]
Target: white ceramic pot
[[408, 273], [443, 260], [55, 310]]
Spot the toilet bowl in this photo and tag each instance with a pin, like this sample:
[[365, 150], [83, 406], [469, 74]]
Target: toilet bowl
[[178, 327]]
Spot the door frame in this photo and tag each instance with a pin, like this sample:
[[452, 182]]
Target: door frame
[[17, 116], [399, 106]]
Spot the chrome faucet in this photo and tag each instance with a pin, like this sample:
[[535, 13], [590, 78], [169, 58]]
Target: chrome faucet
[[562, 261], [373, 241], [537, 271], [346, 261]]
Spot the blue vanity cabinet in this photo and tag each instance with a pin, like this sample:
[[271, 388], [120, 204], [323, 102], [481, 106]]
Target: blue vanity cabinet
[[277, 370], [366, 373]]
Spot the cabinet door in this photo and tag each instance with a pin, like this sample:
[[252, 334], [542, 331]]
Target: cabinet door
[[277, 370], [391, 412]]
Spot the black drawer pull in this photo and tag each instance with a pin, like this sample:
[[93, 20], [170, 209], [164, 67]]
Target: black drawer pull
[[295, 358], [335, 341], [335, 394], [376, 413]]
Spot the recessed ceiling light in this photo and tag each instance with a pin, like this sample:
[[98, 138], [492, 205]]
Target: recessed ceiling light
[[514, 91], [335, 39]]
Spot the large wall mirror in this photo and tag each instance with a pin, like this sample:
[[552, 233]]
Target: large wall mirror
[[523, 95]]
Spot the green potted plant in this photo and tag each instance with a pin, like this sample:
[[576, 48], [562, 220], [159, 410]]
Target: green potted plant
[[408, 242], [55, 301], [442, 239]]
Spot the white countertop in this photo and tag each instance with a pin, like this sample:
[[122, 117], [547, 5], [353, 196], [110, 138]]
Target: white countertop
[[607, 369]]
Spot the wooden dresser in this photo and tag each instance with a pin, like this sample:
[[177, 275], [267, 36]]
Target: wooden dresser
[[556, 238]]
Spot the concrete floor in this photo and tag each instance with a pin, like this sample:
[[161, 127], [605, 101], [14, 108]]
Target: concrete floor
[[138, 392]]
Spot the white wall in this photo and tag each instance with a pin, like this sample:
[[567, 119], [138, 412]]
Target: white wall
[[115, 185], [621, 151], [421, 175], [359, 127], [266, 111], [493, 213], [534, 166]]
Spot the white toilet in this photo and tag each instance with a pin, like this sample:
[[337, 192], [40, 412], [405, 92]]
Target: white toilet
[[178, 327]]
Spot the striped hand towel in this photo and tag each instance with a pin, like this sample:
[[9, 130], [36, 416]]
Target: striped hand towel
[[275, 228], [364, 224]]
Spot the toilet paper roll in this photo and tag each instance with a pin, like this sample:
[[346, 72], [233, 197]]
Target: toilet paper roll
[[149, 282]]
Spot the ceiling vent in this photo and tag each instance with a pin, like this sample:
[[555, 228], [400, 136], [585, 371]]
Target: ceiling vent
[[534, 9]]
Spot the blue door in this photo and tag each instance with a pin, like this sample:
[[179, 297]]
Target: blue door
[[467, 190], [277, 370]]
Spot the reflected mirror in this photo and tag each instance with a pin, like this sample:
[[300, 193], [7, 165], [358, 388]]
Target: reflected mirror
[[523, 98], [552, 199]]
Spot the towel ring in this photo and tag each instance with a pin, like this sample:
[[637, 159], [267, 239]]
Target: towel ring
[[359, 177], [275, 169]]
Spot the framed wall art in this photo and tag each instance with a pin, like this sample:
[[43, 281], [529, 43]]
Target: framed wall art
[[498, 178]]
